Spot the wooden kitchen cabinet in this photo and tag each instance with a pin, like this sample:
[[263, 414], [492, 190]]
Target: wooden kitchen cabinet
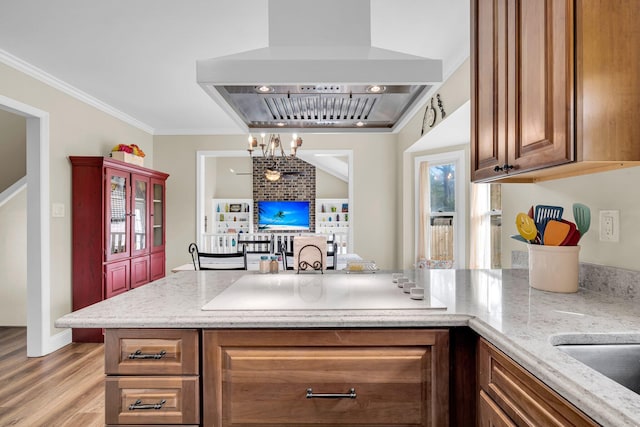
[[152, 377], [554, 88], [325, 377], [511, 396], [118, 231]]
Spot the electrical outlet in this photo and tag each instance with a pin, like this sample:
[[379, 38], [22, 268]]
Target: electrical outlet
[[609, 226]]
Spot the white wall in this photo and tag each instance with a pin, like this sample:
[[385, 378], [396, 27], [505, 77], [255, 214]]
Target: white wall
[[13, 221], [614, 190], [13, 269], [76, 128], [229, 185], [13, 148], [330, 187]]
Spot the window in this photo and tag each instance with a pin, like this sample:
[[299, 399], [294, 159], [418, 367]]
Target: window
[[440, 210]]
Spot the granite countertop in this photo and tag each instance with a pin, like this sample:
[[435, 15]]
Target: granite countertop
[[498, 304]]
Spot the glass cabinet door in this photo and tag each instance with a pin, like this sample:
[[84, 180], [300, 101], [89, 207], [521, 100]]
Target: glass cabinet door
[[117, 218], [158, 215], [140, 215]]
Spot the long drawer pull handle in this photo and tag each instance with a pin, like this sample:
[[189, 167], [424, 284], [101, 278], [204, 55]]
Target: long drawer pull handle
[[350, 395], [140, 355], [139, 405]]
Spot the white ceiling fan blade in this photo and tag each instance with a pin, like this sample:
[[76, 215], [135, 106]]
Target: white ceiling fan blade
[[239, 173]]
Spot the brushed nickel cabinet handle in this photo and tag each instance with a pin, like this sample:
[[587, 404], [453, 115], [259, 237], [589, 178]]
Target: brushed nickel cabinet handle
[[139, 405], [140, 355], [350, 395]]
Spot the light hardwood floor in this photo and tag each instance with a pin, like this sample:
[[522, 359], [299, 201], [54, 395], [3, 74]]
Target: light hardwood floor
[[62, 389]]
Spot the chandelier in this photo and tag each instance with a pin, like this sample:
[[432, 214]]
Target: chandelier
[[272, 147]]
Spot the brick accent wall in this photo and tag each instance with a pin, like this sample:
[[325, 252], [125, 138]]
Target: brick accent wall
[[289, 187]]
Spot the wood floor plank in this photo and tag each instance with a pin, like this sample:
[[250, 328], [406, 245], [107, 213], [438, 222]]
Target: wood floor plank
[[65, 388]]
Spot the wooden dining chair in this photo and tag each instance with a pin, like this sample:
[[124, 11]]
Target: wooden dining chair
[[218, 261]]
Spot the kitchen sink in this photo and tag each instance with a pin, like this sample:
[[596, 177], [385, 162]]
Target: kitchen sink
[[619, 362]]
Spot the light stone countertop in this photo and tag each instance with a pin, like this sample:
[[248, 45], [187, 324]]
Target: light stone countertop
[[497, 304]]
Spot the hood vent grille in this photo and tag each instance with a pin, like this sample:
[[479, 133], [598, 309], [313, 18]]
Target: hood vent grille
[[320, 107]]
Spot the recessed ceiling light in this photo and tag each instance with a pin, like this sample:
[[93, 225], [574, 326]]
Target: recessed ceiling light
[[375, 89]]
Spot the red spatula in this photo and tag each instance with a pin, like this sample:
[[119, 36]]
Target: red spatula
[[573, 236]]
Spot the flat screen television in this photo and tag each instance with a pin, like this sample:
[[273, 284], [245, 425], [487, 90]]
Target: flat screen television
[[283, 215]]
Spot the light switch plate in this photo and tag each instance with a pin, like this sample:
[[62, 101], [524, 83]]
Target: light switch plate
[[57, 210]]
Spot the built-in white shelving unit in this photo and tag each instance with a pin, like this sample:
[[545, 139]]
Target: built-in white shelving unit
[[232, 216], [332, 216]]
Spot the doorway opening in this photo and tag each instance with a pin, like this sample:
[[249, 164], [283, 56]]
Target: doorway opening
[[39, 339]]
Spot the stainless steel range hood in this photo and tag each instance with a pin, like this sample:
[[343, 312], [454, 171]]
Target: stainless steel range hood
[[326, 78]]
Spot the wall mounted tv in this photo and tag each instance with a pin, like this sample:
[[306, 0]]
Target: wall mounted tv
[[283, 215]]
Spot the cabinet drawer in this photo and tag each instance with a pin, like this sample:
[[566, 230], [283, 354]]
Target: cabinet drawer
[[271, 386], [331, 381], [151, 352], [490, 414], [523, 397], [152, 400]]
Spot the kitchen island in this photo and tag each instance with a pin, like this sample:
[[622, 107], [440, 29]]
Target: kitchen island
[[498, 305]]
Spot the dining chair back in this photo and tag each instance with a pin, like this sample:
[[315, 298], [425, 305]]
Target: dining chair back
[[309, 253], [218, 261], [256, 244]]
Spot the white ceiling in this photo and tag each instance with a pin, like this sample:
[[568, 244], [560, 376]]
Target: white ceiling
[[138, 56]]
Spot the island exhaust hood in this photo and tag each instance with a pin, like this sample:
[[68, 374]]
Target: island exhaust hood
[[319, 74]]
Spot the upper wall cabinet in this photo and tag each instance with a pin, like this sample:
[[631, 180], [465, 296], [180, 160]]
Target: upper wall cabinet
[[554, 88]]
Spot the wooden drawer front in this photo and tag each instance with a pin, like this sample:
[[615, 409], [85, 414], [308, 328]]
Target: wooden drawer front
[[524, 398], [490, 413], [152, 400], [151, 352], [268, 385]]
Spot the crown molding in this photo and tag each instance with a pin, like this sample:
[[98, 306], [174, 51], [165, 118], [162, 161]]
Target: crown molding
[[38, 74], [204, 131]]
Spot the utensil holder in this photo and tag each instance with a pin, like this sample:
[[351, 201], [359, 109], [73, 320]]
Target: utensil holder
[[554, 268]]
